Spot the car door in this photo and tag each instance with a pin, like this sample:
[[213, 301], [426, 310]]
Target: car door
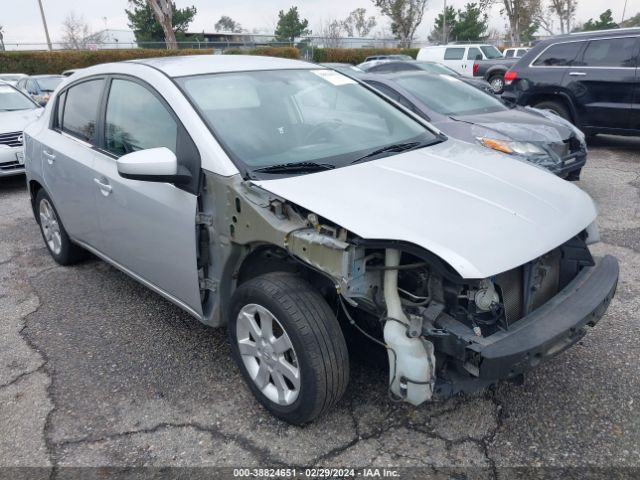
[[603, 80], [67, 158], [472, 54], [148, 227], [635, 116], [454, 58]]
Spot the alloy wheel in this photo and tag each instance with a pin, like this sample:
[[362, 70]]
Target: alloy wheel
[[50, 226]]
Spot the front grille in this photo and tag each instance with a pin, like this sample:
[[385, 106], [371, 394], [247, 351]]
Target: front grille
[[12, 139], [9, 166]]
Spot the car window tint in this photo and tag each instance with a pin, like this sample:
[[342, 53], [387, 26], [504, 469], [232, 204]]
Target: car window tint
[[81, 109], [137, 120], [454, 53], [614, 52], [389, 92], [521, 53], [32, 87], [561, 54], [508, 54], [473, 53]]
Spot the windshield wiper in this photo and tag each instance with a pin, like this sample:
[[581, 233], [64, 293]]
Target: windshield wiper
[[397, 147], [295, 167]]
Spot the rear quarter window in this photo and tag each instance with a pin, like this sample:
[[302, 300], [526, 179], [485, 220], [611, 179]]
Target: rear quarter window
[[559, 55], [612, 52], [454, 53]]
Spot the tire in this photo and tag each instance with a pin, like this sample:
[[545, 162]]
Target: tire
[[318, 351], [555, 107], [497, 83], [55, 237]]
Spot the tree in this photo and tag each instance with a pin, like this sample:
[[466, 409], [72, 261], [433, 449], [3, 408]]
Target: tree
[[1, 38], [147, 27], [227, 24], [74, 32], [628, 23], [437, 34], [358, 24], [604, 23], [520, 15], [290, 26], [331, 34], [471, 24], [405, 16], [565, 10]]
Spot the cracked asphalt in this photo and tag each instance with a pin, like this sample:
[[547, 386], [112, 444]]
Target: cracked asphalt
[[96, 370]]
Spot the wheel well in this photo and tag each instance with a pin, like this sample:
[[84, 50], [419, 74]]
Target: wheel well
[[553, 98], [34, 188]]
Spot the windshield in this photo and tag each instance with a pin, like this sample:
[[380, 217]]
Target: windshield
[[449, 96], [438, 68], [49, 84], [282, 117], [11, 100], [491, 52]]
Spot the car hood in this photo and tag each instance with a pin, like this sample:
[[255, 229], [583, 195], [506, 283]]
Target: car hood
[[476, 209], [16, 121]]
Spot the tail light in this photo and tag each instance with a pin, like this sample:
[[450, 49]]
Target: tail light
[[475, 68], [510, 76]]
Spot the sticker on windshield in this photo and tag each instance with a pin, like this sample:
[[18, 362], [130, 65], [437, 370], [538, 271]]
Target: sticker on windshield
[[333, 77]]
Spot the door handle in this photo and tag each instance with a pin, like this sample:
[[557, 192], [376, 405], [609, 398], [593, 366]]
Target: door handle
[[577, 74], [105, 188], [49, 156]]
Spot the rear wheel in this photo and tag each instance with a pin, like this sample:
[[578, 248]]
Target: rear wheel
[[497, 83], [61, 248], [289, 346], [555, 107]]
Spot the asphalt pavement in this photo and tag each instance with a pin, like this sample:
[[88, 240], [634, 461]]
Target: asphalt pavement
[[98, 371]]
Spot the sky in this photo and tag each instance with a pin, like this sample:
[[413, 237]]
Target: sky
[[22, 24]]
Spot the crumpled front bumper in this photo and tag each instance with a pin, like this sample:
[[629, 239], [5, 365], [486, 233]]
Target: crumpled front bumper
[[542, 334]]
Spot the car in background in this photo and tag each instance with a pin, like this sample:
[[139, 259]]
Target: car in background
[[12, 78], [518, 52], [71, 71], [589, 78], [430, 67], [463, 112], [372, 58], [459, 57], [40, 87], [493, 72], [17, 110], [345, 68], [288, 201]]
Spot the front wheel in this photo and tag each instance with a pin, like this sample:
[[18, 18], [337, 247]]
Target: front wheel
[[289, 346]]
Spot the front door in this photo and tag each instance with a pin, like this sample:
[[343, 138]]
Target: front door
[[454, 58], [149, 227]]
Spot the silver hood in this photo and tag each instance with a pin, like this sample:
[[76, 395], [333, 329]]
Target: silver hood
[[16, 121], [476, 209]]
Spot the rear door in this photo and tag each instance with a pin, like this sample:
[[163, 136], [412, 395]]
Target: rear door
[[67, 159], [635, 115], [148, 227], [454, 58], [603, 79]]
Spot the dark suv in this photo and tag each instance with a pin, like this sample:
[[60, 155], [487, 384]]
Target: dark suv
[[590, 78]]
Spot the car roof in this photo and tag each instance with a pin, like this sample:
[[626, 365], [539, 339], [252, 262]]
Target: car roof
[[186, 65], [45, 76]]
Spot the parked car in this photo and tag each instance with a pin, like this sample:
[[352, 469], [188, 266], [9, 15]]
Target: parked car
[[12, 78], [68, 73], [429, 67], [514, 52], [463, 112], [17, 110], [459, 57], [285, 200], [345, 68], [588, 78], [40, 87], [493, 71], [371, 58]]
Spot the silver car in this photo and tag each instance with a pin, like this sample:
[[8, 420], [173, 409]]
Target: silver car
[[294, 205]]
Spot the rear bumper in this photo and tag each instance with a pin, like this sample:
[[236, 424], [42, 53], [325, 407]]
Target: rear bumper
[[542, 334], [553, 327]]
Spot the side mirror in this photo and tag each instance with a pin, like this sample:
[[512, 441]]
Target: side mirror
[[153, 165]]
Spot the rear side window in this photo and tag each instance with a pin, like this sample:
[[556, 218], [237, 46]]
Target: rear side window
[[473, 53], [508, 54], [559, 55], [613, 52], [454, 53], [81, 109], [136, 120]]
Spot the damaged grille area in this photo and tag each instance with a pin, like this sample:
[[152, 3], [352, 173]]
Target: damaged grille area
[[12, 139]]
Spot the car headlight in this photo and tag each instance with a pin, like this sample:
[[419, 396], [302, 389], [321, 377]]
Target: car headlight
[[504, 146]]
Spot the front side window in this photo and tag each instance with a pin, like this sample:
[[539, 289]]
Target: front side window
[[474, 53], [11, 100], [454, 54], [290, 116], [137, 120], [509, 54], [49, 84], [521, 53], [614, 52], [81, 109], [559, 55], [491, 52], [447, 95]]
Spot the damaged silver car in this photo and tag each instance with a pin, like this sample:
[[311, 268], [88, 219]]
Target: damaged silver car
[[292, 204]]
